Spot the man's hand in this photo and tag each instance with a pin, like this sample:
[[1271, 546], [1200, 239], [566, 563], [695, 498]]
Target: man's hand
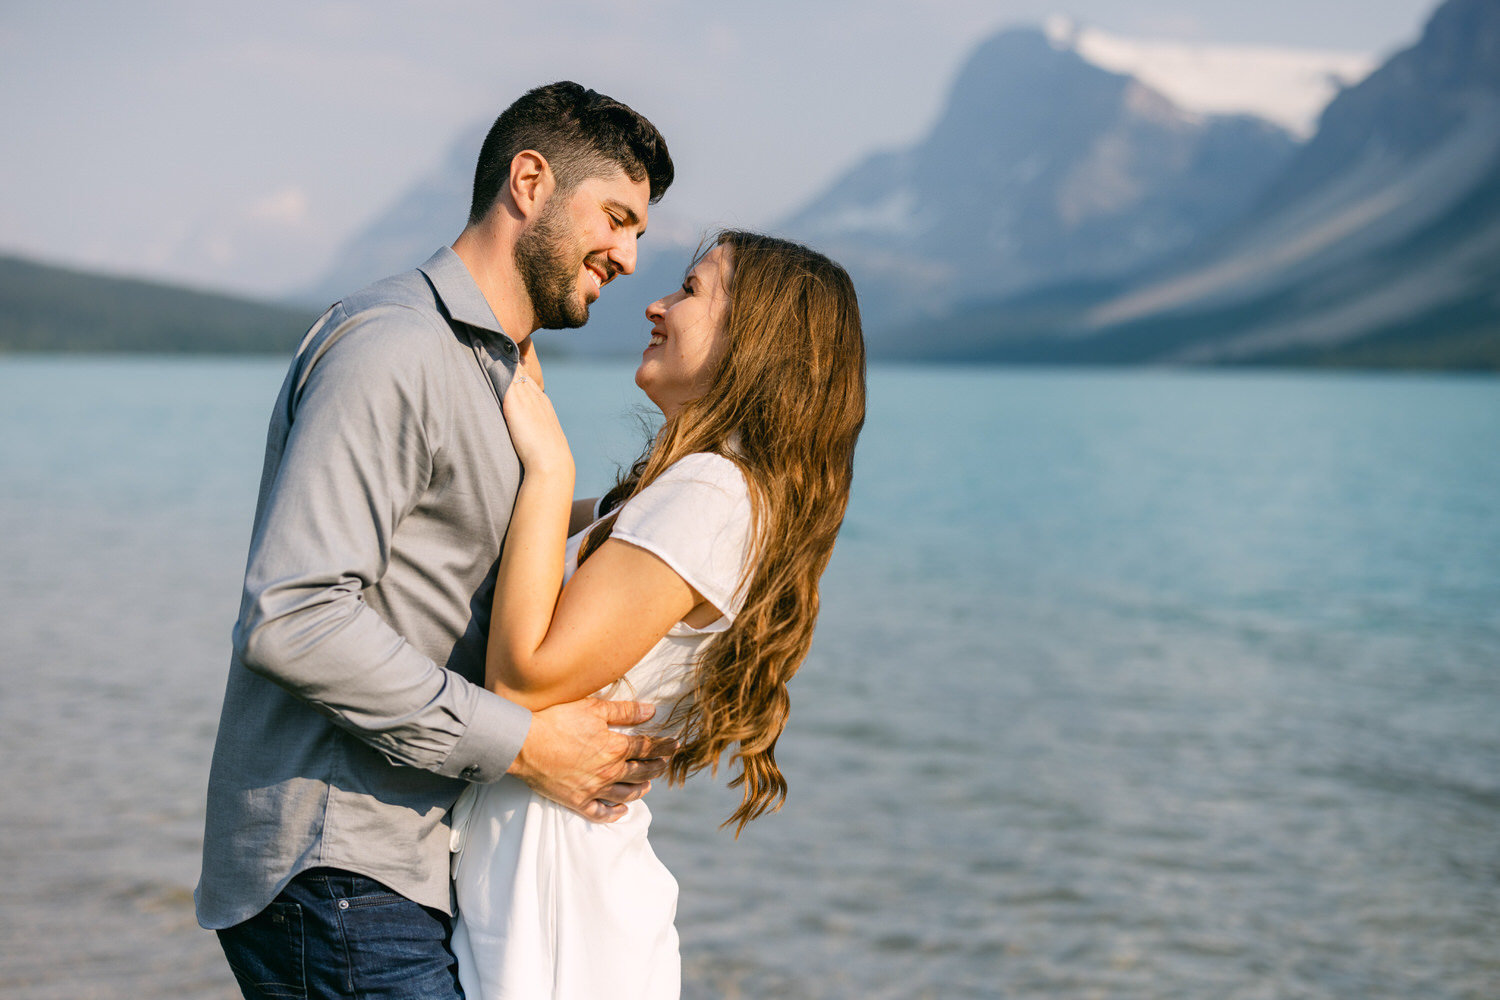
[[572, 756]]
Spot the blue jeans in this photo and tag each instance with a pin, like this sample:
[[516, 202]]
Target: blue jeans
[[333, 933]]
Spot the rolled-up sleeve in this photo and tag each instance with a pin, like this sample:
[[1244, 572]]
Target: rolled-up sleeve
[[356, 458]]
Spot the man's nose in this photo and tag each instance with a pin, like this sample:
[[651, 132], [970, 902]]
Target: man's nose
[[623, 255]]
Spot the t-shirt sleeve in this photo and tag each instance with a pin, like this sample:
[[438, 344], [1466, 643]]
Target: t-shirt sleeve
[[696, 517]]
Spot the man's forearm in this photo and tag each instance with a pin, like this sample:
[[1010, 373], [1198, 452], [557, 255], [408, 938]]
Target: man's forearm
[[341, 658]]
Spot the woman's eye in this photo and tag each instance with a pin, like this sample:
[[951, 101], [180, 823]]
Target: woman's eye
[[687, 289]]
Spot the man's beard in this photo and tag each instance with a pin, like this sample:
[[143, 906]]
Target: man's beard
[[549, 261]]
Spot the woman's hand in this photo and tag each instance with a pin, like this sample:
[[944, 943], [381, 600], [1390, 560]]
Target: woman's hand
[[534, 430]]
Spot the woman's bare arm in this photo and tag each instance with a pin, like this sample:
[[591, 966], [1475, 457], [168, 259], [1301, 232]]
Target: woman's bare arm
[[615, 608], [546, 647]]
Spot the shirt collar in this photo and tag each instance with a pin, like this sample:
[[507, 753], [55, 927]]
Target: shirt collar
[[462, 298]]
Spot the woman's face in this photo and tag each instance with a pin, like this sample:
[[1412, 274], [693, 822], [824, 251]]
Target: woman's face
[[687, 328]]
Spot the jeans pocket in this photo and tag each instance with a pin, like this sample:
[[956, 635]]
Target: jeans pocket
[[397, 948], [266, 953]]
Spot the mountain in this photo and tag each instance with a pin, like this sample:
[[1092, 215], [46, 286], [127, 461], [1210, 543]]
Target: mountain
[[429, 214], [1045, 164], [45, 308], [1378, 244], [1043, 167]]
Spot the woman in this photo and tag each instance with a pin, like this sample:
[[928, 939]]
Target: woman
[[696, 591]]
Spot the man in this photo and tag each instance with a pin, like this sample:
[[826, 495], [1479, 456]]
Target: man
[[355, 711]]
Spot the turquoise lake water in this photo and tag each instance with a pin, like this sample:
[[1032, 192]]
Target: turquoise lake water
[[1139, 684]]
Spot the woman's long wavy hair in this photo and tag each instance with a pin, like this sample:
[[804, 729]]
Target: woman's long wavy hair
[[786, 404]]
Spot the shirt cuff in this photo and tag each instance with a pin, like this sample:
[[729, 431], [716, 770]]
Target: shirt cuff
[[491, 742]]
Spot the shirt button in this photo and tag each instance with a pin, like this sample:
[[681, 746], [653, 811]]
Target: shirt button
[[469, 773]]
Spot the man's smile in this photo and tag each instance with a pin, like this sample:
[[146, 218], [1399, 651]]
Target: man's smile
[[600, 273]]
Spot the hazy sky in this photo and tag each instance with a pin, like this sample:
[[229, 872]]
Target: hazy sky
[[237, 145]]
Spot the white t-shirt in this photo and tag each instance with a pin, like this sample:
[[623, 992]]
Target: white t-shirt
[[696, 517]]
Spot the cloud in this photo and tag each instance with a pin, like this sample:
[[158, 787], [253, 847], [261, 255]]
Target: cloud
[[285, 208]]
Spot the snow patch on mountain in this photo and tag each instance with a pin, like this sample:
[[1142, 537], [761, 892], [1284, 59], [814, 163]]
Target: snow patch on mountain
[[1290, 87]]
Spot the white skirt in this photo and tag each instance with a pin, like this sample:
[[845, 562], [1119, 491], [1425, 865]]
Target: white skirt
[[552, 905]]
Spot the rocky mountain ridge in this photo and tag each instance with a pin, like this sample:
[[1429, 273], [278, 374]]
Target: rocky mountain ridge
[[1042, 168], [1378, 244], [1058, 211]]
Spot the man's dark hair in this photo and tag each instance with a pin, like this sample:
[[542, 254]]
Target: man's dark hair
[[582, 134]]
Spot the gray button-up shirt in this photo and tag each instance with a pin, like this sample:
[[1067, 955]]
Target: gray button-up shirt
[[352, 718]]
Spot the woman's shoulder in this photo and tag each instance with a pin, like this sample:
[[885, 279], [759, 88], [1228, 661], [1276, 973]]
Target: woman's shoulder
[[705, 467], [697, 517], [702, 480], [703, 485]]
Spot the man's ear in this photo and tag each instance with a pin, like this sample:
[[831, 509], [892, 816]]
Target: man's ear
[[531, 182]]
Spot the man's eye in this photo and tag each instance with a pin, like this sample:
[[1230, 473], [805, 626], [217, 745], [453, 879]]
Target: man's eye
[[687, 288]]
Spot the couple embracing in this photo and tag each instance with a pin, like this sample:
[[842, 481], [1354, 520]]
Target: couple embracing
[[452, 682]]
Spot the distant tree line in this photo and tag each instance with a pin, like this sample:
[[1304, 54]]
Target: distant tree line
[[44, 308], [53, 309]]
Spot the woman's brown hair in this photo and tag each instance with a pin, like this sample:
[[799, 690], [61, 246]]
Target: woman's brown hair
[[785, 404]]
